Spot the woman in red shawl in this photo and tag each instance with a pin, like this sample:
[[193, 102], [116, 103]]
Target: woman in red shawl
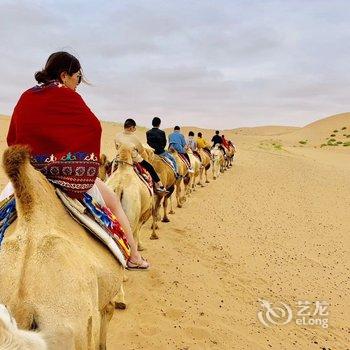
[[64, 137], [224, 141]]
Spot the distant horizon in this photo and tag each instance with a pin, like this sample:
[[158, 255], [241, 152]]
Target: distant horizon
[[206, 128]]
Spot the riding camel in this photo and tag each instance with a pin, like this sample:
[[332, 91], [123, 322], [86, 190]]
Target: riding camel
[[231, 153], [55, 277], [206, 162], [135, 197], [218, 161], [196, 166], [184, 177], [168, 178]]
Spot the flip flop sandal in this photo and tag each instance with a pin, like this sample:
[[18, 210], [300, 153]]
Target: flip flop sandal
[[138, 265]]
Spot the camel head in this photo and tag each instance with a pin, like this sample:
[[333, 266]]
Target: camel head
[[125, 153], [105, 164]]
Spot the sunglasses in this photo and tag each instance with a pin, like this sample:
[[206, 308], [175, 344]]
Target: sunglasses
[[80, 77]]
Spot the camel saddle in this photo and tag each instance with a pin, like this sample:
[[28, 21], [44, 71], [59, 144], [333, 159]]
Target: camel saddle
[[168, 162], [99, 220], [184, 159]]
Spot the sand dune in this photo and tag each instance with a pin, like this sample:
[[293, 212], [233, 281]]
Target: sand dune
[[270, 130], [274, 227], [321, 131]]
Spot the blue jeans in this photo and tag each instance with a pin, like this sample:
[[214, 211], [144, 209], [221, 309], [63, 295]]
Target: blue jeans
[[172, 159]]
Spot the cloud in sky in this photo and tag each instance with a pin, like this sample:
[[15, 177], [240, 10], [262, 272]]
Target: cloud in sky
[[215, 64]]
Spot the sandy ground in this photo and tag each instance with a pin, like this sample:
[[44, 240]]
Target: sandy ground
[[274, 227]]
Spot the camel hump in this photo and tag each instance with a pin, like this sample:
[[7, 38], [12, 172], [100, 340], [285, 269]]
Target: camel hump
[[15, 160]]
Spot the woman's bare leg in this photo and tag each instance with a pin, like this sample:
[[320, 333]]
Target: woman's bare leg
[[113, 203]]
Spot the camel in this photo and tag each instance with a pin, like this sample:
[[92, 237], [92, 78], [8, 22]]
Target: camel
[[184, 177], [196, 165], [167, 176], [134, 195], [206, 162], [231, 153], [103, 169], [217, 161], [13, 338], [55, 277]]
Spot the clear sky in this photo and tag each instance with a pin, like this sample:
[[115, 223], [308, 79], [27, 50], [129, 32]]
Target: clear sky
[[217, 64]]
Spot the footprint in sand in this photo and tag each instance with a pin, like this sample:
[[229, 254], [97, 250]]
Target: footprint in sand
[[174, 314], [149, 330]]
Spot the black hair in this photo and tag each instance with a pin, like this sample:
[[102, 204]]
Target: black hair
[[129, 123], [177, 127], [156, 122], [191, 133], [199, 134], [217, 132], [57, 63]]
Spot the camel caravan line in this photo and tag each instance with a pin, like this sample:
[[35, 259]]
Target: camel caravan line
[[60, 285]]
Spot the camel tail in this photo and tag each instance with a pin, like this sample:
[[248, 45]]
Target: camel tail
[[15, 161]]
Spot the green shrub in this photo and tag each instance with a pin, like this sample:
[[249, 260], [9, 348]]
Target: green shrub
[[303, 142], [332, 140], [339, 142], [343, 128], [346, 144], [332, 135], [335, 130]]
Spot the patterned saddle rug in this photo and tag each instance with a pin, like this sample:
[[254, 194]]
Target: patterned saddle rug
[[184, 159], [168, 162], [99, 220], [197, 155], [8, 214]]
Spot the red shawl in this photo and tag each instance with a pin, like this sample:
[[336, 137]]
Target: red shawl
[[63, 134]]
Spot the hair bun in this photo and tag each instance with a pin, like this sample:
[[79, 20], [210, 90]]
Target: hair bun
[[41, 77]]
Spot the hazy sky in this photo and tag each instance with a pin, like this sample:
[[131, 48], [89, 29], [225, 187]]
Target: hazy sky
[[217, 64]]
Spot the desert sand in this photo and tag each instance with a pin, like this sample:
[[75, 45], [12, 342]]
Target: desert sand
[[275, 227]]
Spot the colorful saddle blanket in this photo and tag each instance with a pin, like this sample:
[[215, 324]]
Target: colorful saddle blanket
[[196, 154], [8, 214], [101, 222], [184, 159], [168, 162], [97, 219], [145, 176]]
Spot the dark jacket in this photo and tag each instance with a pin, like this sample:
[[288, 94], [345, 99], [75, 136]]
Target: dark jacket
[[216, 139], [157, 140]]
